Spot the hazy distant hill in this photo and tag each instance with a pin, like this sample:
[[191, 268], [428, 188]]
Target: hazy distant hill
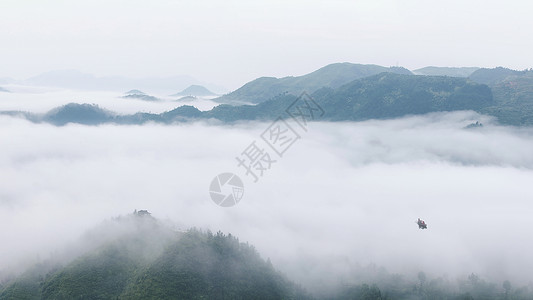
[[136, 94], [143, 259], [78, 113], [195, 90], [332, 76], [446, 71], [3, 90], [187, 98]]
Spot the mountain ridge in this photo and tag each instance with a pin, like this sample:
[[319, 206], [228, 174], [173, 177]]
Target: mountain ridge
[[332, 75], [386, 95]]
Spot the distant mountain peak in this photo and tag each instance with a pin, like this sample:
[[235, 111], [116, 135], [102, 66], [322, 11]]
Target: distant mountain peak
[[134, 92], [137, 94], [195, 90]]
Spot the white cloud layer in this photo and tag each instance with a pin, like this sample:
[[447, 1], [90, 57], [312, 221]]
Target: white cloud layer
[[345, 194], [42, 99]]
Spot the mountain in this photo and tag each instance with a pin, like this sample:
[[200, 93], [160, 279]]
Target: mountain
[[86, 114], [381, 96], [390, 95], [136, 94], [140, 258], [513, 95], [446, 71], [333, 76], [493, 76], [187, 98], [3, 90], [195, 90]]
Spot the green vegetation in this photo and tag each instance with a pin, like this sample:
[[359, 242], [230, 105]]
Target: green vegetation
[[148, 261], [513, 94], [333, 76], [391, 95], [493, 76]]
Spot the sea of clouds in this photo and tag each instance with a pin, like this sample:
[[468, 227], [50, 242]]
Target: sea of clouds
[[344, 195]]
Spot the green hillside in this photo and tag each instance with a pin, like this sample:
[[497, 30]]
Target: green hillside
[[333, 76], [493, 76], [513, 94], [145, 260], [391, 95], [381, 96]]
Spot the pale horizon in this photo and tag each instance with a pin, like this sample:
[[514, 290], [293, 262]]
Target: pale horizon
[[231, 43]]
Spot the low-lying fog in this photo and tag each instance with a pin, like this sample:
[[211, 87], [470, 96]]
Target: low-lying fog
[[42, 99], [346, 194]]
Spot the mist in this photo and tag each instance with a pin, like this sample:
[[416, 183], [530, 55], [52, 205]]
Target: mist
[[43, 99], [344, 196]]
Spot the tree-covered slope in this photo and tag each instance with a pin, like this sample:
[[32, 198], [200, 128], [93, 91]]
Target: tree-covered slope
[[143, 259], [333, 76], [78, 113], [493, 76], [513, 94], [207, 266], [392, 95]]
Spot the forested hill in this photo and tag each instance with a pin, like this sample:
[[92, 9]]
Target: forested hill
[[333, 76], [513, 94], [145, 260], [391, 95]]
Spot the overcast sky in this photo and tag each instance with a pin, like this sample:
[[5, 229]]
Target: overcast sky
[[234, 41]]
